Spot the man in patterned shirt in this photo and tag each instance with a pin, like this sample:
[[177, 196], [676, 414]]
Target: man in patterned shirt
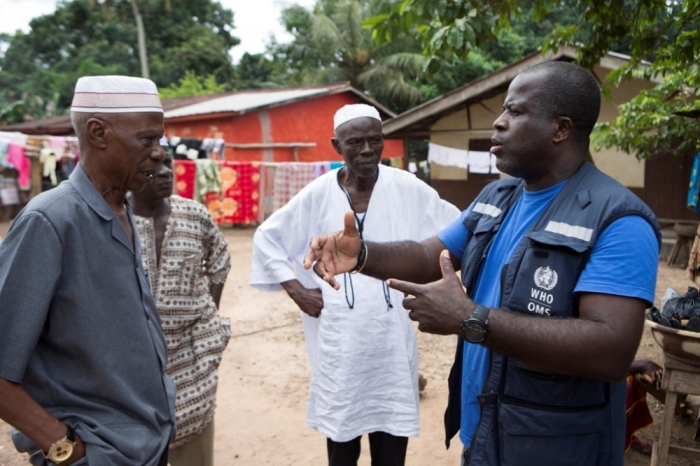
[[186, 259]]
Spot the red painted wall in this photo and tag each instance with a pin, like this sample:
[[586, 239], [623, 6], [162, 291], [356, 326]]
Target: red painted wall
[[310, 120]]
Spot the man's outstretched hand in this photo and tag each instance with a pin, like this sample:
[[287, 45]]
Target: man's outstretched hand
[[439, 307], [335, 253]]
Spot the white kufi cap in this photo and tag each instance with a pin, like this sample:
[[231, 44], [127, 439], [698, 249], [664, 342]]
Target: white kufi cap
[[352, 111], [115, 94]]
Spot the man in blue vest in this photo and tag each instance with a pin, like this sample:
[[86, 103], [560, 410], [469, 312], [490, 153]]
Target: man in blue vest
[[559, 263]]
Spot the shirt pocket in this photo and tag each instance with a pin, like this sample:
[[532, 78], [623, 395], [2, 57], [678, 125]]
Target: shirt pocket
[[180, 275]]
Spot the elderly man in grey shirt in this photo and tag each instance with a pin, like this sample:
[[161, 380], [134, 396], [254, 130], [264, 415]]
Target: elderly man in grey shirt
[[82, 355]]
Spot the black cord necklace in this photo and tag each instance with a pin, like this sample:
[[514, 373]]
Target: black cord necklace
[[347, 277]]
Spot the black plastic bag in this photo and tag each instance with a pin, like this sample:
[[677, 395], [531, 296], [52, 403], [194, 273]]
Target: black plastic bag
[[679, 308]]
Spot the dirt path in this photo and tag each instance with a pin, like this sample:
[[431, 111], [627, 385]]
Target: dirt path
[[264, 376]]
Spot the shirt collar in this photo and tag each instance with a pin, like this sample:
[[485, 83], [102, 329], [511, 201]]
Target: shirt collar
[[89, 193]]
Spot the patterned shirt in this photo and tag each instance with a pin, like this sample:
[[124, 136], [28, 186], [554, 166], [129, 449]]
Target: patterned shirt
[[194, 254]]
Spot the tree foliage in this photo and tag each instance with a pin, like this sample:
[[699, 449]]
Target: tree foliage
[[90, 37], [661, 36], [331, 45], [190, 85]]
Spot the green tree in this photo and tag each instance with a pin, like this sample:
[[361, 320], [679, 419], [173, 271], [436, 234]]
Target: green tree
[[661, 36], [257, 71], [90, 37], [331, 45], [526, 34], [191, 84]]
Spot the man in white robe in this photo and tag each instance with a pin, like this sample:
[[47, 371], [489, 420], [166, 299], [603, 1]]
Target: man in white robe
[[360, 340]]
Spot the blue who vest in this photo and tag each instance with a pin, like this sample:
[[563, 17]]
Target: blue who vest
[[529, 416]]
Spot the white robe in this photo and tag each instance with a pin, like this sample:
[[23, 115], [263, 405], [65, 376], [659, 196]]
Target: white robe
[[364, 360]]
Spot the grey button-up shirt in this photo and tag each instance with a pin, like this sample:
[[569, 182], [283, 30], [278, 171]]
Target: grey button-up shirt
[[79, 329]]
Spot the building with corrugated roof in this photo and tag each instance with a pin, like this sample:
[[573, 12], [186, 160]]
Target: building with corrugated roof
[[269, 125], [274, 125]]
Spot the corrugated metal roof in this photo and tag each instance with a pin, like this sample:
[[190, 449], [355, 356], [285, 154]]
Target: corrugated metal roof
[[243, 101]]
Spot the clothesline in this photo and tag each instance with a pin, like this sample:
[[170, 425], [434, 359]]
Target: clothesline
[[247, 192], [243, 192], [481, 162]]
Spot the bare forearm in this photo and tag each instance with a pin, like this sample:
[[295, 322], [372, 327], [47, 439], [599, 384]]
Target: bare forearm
[[21, 411], [216, 290], [599, 344], [309, 300], [579, 347], [405, 260]]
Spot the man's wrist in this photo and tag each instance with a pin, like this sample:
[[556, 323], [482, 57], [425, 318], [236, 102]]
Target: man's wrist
[[291, 286], [62, 450], [475, 328], [361, 259]]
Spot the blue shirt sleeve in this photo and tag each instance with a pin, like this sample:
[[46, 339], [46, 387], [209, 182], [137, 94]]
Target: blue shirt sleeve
[[454, 235], [624, 261]]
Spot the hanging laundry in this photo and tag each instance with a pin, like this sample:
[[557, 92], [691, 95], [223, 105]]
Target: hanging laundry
[[448, 156], [71, 157], [240, 199], [335, 165], [694, 186], [17, 157], [185, 176], [320, 168], [479, 162], [218, 151], [207, 180], [47, 157], [208, 147], [72, 147], [3, 153], [396, 162], [192, 154], [494, 169], [187, 148], [58, 144], [12, 136], [290, 178]]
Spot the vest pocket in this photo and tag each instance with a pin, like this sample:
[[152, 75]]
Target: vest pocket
[[527, 386], [545, 277], [544, 417], [530, 436]]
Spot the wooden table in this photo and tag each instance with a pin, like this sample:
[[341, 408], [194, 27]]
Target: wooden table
[[679, 378]]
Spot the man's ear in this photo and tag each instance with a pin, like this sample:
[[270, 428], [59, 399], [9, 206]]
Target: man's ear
[[96, 132], [564, 129], [336, 145]]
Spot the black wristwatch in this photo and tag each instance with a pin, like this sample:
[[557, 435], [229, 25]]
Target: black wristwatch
[[476, 328]]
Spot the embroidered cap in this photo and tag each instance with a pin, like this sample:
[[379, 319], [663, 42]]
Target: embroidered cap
[[115, 94], [352, 111]]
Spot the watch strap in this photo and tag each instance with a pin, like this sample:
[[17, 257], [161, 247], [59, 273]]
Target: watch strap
[[481, 313], [70, 432]]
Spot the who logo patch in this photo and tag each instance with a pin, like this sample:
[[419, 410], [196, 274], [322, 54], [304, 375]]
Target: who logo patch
[[546, 278]]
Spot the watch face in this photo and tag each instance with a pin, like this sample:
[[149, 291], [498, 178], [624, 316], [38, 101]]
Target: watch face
[[474, 332], [61, 451]]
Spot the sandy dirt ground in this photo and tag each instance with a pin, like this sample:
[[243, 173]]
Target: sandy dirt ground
[[260, 419]]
